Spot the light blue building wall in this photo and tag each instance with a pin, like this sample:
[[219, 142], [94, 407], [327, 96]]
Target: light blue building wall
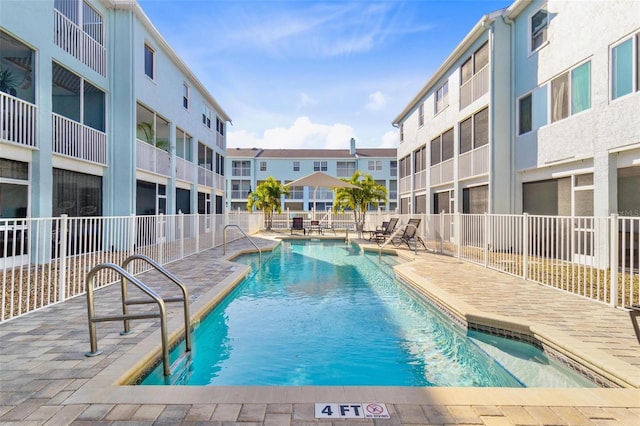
[[86, 131], [247, 168]]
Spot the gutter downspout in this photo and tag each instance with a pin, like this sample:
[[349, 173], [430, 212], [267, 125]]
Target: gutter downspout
[[492, 115], [512, 138]]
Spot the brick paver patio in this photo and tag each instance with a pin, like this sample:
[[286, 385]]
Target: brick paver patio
[[46, 379]]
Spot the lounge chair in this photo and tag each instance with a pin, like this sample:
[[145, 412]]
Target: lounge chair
[[409, 235], [315, 226], [381, 234], [297, 224]]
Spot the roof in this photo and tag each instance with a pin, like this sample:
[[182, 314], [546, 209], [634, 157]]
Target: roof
[[310, 153], [146, 22], [460, 50]]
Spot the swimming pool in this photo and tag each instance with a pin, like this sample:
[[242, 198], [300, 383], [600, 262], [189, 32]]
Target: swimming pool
[[325, 313]]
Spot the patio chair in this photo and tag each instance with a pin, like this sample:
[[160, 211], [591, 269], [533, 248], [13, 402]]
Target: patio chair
[[297, 224], [409, 235], [315, 226], [381, 234]]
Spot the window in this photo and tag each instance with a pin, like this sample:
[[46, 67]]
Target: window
[[442, 97], [539, 24], [405, 167], [567, 100], [374, 165], [241, 168], [185, 96], [525, 115], [474, 64], [474, 131], [420, 159], [436, 155], [296, 166], [183, 144], [393, 168], [219, 126], [205, 156], [219, 164], [623, 67], [76, 194], [149, 57], [346, 168], [206, 116], [263, 166], [319, 166], [475, 200], [92, 21], [442, 148], [421, 115], [401, 132]]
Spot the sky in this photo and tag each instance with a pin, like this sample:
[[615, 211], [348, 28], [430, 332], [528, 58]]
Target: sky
[[314, 74]]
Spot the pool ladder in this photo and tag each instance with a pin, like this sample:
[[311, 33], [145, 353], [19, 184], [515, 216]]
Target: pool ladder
[[126, 317]]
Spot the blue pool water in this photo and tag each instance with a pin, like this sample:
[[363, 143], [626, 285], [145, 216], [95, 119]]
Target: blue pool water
[[324, 313]]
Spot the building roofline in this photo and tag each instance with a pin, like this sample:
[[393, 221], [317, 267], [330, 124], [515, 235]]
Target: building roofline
[[455, 55], [137, 9]]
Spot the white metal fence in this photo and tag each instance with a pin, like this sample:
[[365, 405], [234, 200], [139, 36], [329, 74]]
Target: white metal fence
[[45, 261]]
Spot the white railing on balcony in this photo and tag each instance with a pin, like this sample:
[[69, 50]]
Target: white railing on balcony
[[420, 181], [152, 159], [205, 177], [73, 40], [184, 169], [404, 185], [474, 162], [219, 180], [220, 141], [76, 140], [442, 172], [475, 87], [17, 121]]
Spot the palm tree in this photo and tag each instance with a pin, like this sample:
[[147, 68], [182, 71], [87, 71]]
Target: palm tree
[[369, 193], [266, 197]]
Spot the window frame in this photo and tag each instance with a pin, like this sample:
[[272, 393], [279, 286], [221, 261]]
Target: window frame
[[185, 95], [374, 165], [441, 98], [521, 130], [319, 166], [152, 64], [296, 166], [206, 116], [263, 166], [543, 30], [634, 39], [421, 115]]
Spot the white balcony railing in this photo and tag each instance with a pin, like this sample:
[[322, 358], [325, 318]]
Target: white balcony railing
[[205, 177], [475, 87], [420, 181], [76, 140], [404, 185], [152, 159], [474, 163], [18, 120], [184, 169], [219, 180], [220, 141], [73, 40], [442, 173]]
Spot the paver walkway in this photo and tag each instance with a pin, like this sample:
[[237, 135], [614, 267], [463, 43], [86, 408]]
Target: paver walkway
[[46, 379]]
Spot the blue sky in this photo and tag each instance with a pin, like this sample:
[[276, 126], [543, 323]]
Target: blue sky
[[311, 74]]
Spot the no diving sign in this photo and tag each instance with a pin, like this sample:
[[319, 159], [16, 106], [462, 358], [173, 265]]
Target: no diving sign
[[369, 410]]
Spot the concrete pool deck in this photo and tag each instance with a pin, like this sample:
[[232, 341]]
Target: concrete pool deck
[[46, 379]]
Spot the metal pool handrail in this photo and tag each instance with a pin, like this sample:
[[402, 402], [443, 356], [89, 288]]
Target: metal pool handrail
[[393, 235], [224, 244]]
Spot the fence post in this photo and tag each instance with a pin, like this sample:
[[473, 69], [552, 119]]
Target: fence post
[[485, 234], [525, 246], [197, 231], [181, 230], [62, 256], [441, 231], [613, 259], [457, 228], [132, 234], [159, 228]]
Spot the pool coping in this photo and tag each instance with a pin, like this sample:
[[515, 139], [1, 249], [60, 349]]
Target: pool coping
[[108, 385]]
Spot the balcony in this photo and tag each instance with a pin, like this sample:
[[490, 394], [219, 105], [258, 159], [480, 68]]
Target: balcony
[[474, 162], [184, 169], [405, 185], [152, 159], [442, 173], [18, 121], [73, 40], [220, 141], [420, 181], [205, 177], [475, 87], [76, 140]]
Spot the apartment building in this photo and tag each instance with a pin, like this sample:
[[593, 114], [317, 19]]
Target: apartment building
[[101, 117], [530, 113], [250, 167]]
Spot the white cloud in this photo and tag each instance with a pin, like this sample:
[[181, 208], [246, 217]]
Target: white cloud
[[306, 100], [389, 139], [301, 134], [377, 101]]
